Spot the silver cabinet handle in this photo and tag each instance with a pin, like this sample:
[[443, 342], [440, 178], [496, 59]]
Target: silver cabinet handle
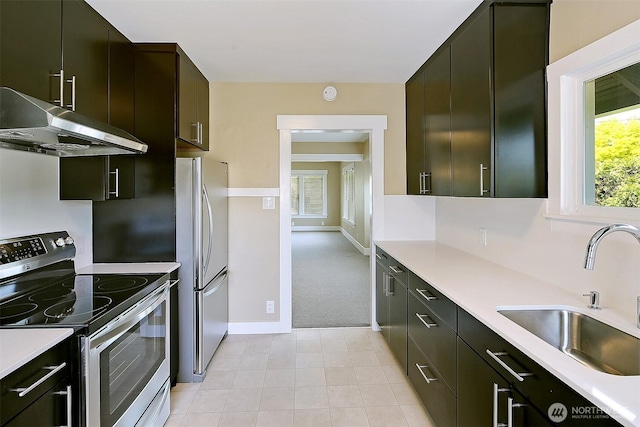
[[61, 88], [517, 375], [200, 127], [421, 368], [23, 391], [429, 324], [421, 181], [510, 406], [72, 80], [482, 169], [396, 269], [423, 294], [69, 399], [497, 390], [427, 189], [379, 257], [116, 174], [390, 285]]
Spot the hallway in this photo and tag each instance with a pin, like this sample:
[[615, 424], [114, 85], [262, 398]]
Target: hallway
[[330, 283]]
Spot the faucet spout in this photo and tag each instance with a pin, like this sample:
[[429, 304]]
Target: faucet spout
[[597, 237]]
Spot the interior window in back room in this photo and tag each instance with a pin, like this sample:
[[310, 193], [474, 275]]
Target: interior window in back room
[[612, 139]]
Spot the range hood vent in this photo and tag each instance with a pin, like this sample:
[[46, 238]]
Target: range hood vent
[[29, 124]]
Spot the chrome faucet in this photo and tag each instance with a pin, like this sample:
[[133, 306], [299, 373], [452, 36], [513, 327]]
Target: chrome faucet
[[592, 247]]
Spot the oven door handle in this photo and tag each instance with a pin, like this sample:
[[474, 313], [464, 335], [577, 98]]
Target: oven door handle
[[129, 318]]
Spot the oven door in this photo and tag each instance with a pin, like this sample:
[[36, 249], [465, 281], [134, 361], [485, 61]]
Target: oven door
[[126, 363]]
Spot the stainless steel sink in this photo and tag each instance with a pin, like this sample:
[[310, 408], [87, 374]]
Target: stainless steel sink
[[589, 341]]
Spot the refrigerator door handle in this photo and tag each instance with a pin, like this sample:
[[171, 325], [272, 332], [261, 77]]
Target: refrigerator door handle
[[205, 195]]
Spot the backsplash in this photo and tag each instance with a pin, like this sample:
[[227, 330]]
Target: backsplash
[[29, 202]]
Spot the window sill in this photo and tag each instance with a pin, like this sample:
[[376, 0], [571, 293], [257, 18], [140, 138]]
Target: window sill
[[584, 219]]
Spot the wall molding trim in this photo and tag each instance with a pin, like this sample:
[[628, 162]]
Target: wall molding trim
[[364, 251], [316, 228]]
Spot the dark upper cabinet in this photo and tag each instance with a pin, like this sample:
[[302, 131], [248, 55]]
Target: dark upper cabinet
[[471, 109], [31, 47], [97, 178], [485, 136], [414, 98], [438, 125], [193, 104], [121, 82]]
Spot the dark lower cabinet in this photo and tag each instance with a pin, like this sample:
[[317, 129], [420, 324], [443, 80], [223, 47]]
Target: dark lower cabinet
[[391, 304], [436, 396], [40, 393], [485, 398]]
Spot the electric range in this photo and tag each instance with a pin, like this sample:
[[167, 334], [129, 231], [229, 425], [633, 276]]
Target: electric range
[[121, 324]]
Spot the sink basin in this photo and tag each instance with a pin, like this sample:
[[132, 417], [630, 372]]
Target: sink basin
[[589, 341]]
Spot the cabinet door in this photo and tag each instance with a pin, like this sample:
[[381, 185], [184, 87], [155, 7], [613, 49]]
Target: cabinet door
[[121, 82], [85, 48], [520, 57], [437, 101], [414, 93], [485, 398], [51, 409], [398, 321], [97, 178], [30, 47], [187, 102], [382, 300], [202, 86], [471, 109]]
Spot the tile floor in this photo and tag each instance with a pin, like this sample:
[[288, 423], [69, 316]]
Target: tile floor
[[310, 377]]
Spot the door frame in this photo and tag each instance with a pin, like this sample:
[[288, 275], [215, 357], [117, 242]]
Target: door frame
[[374, 125]]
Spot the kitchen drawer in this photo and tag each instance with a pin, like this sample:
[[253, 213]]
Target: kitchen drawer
[[437, 340], [398, 271], [439, 401], [45, 371], [442, 306], [536, 384], [382, 257]]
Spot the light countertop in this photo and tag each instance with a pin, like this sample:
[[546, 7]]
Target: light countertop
[[19, 346], [480, 287], [129, 268]]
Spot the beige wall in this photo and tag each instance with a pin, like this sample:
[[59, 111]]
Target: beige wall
[[577, 23], [333, 194], [244, 134], [360, 232]]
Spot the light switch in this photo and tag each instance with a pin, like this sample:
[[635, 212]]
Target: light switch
[[268, 203]]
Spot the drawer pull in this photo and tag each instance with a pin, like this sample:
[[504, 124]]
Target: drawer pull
[[424, 293], [426, 378], [518, 375], [378, 256], [23, 391], [395, 269], [69, 397], [429, 324]]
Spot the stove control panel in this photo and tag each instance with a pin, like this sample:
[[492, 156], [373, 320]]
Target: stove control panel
[[21, 254]]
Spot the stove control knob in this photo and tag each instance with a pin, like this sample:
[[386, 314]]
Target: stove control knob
[[60, 242], [69, 240]]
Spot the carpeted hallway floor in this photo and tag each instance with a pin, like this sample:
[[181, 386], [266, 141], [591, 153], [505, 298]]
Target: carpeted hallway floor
[[330, 281]]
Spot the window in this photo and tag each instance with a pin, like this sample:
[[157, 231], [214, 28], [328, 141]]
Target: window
[[309, 193], [612, 139], [593, 159], [348, 194]]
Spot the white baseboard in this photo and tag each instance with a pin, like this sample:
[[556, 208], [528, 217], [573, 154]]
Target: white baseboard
[[364, 251], [316, 228], [245, 328]]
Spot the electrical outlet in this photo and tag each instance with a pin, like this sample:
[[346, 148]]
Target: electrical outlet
[[483, 237], [271, 307]]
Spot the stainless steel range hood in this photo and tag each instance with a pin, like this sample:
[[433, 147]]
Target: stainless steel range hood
[[29, 124]]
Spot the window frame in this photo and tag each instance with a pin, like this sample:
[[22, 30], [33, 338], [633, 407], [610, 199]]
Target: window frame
[[567, 153], [349, 206], [301, 174]]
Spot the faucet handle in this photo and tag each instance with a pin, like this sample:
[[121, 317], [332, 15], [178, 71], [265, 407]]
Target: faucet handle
[[594, 299]]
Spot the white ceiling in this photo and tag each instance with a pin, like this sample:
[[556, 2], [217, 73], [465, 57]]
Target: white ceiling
[[337, 41]]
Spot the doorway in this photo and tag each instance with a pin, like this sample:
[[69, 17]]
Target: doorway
[[373, 125]]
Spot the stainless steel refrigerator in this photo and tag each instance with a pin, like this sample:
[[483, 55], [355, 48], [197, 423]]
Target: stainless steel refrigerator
[[201, 244]]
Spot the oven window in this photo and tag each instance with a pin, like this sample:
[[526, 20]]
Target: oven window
[[128, 364]]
